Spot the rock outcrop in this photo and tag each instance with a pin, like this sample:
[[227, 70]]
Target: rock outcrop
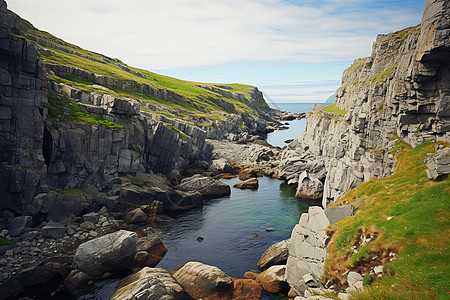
[[399, 92], [149, 283], [206, 186], [309, 187], [276, 254], [439, 164]]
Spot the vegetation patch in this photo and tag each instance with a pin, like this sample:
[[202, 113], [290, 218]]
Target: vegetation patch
[[403, 219], [380, 77], [4, 241], [74, 192], [333, 109]]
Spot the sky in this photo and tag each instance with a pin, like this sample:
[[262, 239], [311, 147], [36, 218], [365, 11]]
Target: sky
[[292, 50]]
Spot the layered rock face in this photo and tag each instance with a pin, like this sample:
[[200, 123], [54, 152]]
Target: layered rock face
[[22, 112], [400, 91]]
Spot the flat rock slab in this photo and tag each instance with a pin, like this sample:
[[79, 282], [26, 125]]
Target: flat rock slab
[[53, 229], [337, 213]]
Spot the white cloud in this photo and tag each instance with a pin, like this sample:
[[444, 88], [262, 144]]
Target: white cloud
[[169, 34]]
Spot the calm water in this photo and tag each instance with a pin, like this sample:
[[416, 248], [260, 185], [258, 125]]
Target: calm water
[[233, 228], [296, 127]]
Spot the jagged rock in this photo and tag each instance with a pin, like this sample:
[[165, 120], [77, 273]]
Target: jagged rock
[[149, 283], [247, 289], [337, 213], [309, 187], [53, 229], [251, 184], [206, 186], [273, 280], [202, 281], [111, 253], [307, 249], [439, 164], [136, 216], [276, 254], [17, 225]]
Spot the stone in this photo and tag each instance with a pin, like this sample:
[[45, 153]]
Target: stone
[[221, 166], [112, 253], [309, 187], [378, 269], [53, 229], [353, 277], [276, 254], [91, 217], [273, 280], [246, 289], [205, 282], [149, 283], [249, 173], [17, 225], [251, 184], [206, 186], [154, 248], [87, 225], [77, 279], [337, 213], [136, 216], [439, 164]]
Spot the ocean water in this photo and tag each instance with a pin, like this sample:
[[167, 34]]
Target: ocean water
[[296, 127]]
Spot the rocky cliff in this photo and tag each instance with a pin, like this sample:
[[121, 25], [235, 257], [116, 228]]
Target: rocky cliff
[[400, 92], [74, 119]]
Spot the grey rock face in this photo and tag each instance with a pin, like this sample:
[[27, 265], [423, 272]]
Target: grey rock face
[[337, 213], [307, 248], [276, 254], [150, 283], [109, 253], [309, 187], [439, 164]]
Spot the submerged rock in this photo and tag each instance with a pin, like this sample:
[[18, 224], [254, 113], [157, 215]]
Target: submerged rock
[[251, 184]]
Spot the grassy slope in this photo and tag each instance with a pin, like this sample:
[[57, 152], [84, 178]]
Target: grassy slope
[[419, 231], [200, 100]]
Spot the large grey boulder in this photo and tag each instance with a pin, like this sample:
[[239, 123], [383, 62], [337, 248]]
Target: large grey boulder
[[202, 281], [149, 283], [309, 187], [109, 253], [337, 213], [53, 229], [221, 165], [276, 254], [17, 225], [355, 282], [439, 164], [207, 186]]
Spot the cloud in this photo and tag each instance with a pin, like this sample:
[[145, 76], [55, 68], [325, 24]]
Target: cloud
[[170, 34]]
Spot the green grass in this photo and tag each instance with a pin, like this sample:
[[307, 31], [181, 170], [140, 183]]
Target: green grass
[[333, 109], [4, 241], [382, 76], [418, 229], [75, 192]]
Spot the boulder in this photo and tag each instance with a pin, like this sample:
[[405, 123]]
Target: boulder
[[309, 187], [205, 282], [111, 253], [247, 289], [206, 186], [136, 216], [355, 282], [276, 254], [249, 173], [221, 166], [53, 229], [149, 283], [251, 184], [273, 280], [337, 213], [439, 164], [91, 217], [149, 251], [17, 225]]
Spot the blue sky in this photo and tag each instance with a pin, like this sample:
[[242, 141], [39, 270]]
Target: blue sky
[[293, 50]]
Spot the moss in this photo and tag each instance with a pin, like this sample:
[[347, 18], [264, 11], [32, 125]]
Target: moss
[[74, 192], [382, 76], [333, 109], [4, 241]]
